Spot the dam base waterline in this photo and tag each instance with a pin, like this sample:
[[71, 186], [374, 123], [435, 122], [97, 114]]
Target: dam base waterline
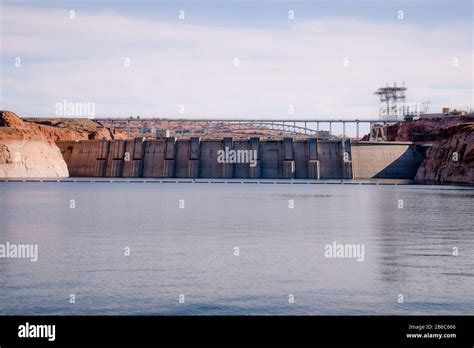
[[276, 159]]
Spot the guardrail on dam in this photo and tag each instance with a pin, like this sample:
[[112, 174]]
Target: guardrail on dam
[[276, 159]]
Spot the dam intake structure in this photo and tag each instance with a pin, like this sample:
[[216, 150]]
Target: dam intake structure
[[276, 159]]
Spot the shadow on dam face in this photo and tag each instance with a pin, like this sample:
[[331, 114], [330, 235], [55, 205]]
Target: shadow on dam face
[[387, 160], [274, 159]]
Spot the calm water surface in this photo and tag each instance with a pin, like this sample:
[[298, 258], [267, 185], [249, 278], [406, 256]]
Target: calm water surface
[[190, 251]]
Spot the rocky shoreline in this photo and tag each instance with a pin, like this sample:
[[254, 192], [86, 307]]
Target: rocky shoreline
[[25, 153], [28, 149], [450, 159]]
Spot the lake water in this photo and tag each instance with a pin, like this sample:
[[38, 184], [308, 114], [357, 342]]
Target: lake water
[[182, 239]]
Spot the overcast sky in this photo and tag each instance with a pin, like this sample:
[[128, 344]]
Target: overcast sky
[[324, 63]]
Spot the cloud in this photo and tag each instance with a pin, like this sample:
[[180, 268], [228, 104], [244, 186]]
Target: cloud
[[177, 63]]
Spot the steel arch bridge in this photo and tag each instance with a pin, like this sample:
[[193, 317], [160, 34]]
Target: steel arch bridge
[[277, 126], [303, 127]]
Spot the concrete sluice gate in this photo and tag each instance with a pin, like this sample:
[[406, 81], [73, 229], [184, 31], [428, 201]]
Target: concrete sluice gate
[[252, 158]]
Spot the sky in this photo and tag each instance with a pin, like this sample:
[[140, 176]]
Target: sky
[[235, 59]]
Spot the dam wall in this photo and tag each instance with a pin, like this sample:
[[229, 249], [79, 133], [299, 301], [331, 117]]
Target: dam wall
[[275, 159], [388, 160]]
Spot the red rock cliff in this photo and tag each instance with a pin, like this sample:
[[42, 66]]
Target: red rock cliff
[[451, 158], [28, 148]]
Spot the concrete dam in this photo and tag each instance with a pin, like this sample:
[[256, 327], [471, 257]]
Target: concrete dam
[[275, 159]]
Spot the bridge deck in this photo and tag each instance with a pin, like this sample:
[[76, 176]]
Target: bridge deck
[[248, 120]]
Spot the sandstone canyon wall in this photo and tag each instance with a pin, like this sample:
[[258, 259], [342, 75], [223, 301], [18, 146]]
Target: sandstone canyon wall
[[27, 154], [28, 146], [451, 158]]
